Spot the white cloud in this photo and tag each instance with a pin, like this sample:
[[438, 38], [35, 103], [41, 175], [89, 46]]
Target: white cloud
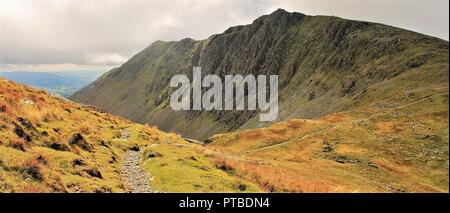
[[106, 59], [54, 67], [42, 33]]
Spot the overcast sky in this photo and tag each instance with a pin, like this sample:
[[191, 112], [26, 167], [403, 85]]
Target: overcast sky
[[43, 35]]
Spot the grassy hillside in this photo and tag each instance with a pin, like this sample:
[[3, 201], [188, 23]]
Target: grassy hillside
[[398, 144], [49, 144], [325, 65]]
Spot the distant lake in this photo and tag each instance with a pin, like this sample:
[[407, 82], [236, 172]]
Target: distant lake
[[59, 83]]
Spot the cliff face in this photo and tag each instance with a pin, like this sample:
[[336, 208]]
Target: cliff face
[[325, 65]]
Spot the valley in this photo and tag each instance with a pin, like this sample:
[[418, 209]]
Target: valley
[[362, 107], [59, 83], [74, 148]]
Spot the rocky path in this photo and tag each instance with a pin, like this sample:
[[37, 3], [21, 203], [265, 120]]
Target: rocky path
[[136, 180]]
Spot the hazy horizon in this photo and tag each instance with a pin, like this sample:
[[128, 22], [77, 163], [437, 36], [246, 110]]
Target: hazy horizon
[[48, 35]]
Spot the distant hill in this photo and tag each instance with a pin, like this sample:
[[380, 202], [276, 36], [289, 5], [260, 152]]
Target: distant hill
[[325, 65], [60, 83]]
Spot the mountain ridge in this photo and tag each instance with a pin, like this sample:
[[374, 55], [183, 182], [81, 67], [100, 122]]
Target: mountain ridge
[[363, 108], [323, 64]]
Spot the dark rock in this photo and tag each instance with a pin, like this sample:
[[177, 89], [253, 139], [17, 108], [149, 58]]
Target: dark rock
[[78, 162], [208, 141], [429, 137], [105, 144], [3, 108], [134, 148], [34, 171], [344, 159], [103, 189], [224, 167], [154, 155], [113, 159], [59, 146], [242, 187], [372, 165], [78, 140], [19, 131], [327, 149], [26, 123], [17, 144], [94, 172], [42, 160], [348, 87], [311, 96]]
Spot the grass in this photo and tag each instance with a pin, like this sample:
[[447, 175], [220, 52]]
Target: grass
[[394, 145], [49, 144], [192, 168], [392, 137]]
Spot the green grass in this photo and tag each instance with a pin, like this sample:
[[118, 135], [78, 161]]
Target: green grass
[[182, 168]]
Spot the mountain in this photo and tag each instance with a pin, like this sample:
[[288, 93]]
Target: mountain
[[50, 144], [60, 83], [325, 65]]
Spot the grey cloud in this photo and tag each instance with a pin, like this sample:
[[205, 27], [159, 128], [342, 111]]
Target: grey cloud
[[107, 32]]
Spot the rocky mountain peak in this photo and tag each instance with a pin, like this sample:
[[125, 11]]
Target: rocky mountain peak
[[325, 65]]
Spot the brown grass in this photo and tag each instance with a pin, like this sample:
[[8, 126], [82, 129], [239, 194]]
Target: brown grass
[[251, 135], [269, 177], [17, 143], [388, 127], [294, 125], [32, 188], [45, 165], [33, 168]]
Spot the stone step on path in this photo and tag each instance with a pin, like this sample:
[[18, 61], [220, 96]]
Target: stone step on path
[[125, 134], [136, 180]]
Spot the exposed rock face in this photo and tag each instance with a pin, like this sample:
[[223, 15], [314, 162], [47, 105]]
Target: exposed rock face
[[325, 65]]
